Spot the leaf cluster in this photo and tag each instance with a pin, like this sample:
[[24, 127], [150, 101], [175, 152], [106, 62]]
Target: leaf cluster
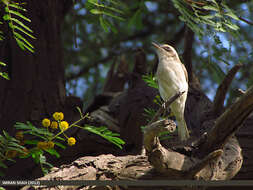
[[8, 144], [215, 14], [16, 21], [106, 134], [107, 10]]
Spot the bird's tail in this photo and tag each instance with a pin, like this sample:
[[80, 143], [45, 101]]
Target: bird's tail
[[183, 132]]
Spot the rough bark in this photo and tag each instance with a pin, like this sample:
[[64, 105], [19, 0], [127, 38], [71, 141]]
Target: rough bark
[[37, 86]]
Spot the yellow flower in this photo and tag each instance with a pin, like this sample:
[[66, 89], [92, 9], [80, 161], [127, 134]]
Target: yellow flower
[[64, 125], [50, 144], [61, 116], [41, 145], [58, 116], [45, 145], [71, 141], [46, 122], [19, 135], [54, 125]]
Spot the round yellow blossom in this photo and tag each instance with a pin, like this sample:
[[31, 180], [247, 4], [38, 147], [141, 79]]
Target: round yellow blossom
[[46, 122], [54, 125], [45, 145], [61, 116], [19, 135], [71, 141], [64, 125], [50, 144], [58, 116], [41, 145]]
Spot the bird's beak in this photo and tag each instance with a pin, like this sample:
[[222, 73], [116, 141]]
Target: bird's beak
[[156, 45]]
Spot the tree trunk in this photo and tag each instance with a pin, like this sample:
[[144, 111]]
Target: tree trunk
[[37, 87]]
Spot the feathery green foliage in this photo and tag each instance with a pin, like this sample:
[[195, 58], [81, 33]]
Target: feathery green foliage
[[4, 74], [107, 10], [15, 18], [212, 13], [150, 80], [8, 145]]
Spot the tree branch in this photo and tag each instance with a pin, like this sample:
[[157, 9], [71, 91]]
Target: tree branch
[[228, 123], [220, 96], [187, 55], [167, 104], [246, 21]]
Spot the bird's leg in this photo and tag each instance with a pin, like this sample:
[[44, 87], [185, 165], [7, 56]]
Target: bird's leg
[[164, 109]]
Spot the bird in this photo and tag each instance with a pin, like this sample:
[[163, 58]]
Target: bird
[[172, 78]]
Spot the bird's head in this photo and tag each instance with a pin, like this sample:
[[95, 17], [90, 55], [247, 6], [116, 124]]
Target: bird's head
[[165, 50]]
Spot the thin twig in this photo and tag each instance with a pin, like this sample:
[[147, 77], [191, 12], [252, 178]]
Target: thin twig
[[246, 21], [167, 104]]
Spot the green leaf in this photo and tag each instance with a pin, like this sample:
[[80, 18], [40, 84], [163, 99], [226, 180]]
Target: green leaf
[[136, 20], [60, 138], [103, 24], [31, 142], [111, 26], [217, 72], [60, 145], [107, 7], [20, 29], [6, 17], [16, 6], [21, 24], [22, 45], [150, 80], [96, 11], [20, 15], [2, 63], [53, 152], [3, 165], [231, 26], [211, 8], [5, 75], [105, 133], [79, 111]]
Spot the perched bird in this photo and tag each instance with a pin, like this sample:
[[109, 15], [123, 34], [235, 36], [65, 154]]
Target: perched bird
[[173, 78]]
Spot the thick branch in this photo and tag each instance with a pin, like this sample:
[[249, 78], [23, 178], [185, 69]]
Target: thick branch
[[153, 130], [222, 90], [229, 122], [187, 55], [194, 170]]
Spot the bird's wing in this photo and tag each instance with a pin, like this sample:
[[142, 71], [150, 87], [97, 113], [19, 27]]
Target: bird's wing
[[185, 72]]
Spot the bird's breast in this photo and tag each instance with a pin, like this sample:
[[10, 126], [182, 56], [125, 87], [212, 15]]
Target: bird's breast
[[171, 77]]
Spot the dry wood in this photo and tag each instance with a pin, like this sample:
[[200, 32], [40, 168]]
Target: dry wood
[[218, 105], [229, 122]]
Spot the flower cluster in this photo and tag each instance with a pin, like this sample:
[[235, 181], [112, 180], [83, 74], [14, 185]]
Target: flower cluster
[[63, 125], [45, 145], [58, 117]]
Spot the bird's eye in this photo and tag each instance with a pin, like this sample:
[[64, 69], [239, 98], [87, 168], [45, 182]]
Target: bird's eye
[[167, 49]]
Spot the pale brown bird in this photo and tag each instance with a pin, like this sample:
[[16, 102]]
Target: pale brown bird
[[172, 78]]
